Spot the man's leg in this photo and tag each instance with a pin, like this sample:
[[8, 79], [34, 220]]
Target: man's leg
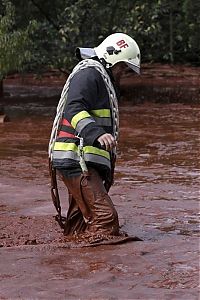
[[103, 215], [75, 222], [94, 203]]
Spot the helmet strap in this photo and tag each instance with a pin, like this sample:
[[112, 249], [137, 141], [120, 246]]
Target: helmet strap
[[105, 63]]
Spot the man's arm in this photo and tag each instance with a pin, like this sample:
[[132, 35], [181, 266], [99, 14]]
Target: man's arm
[[107, 141], [83, 93]]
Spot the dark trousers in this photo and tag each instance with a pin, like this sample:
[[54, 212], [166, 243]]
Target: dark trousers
[[90, 208]]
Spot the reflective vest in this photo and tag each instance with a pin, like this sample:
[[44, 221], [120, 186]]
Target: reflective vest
[[87, 114]]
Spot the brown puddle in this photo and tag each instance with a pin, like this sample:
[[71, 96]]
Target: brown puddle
[[156, 193]]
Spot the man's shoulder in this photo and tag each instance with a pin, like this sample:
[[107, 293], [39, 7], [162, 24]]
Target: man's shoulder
[[90, 70], [88, 75]]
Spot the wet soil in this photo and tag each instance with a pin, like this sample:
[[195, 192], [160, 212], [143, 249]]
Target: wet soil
[[157, 83], [156, 194]]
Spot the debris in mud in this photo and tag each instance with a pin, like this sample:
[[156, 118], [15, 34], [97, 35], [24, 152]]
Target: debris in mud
[[17, 231], [4, 118]]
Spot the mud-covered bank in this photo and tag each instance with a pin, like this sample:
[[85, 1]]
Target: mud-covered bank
[[157, 83], [163, 84], [156, 194]]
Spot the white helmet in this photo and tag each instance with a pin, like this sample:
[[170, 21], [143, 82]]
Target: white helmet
[[117, 47]]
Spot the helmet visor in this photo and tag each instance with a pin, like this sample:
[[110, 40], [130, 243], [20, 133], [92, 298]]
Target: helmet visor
[[133, 67], [83, 53]]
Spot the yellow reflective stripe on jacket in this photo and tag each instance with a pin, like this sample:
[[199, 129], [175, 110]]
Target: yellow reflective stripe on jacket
[[79, 116], [101, 113], [65, 146], [60, 146], [94, 150]]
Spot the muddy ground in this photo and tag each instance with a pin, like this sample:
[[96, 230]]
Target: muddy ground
[[156, 194], [157, 83]]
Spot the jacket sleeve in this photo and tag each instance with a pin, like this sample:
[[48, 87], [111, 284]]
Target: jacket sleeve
[[82, 95]]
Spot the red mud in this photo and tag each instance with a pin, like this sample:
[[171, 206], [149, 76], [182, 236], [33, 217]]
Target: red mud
[[161, 74], [157, 83], [156, 194]]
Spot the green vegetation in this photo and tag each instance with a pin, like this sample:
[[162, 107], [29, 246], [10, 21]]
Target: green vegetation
[[167, 31], [14, 43]]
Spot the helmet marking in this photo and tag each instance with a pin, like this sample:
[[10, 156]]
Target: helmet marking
[[122, 44]]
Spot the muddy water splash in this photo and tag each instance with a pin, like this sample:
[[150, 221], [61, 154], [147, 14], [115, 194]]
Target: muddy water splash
[[156, 193]]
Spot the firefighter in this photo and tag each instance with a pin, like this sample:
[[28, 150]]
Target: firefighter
[[83, 151]]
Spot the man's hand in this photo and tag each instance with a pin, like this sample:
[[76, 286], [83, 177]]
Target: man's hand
[[107, 141]]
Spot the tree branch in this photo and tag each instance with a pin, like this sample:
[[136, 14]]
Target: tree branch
[[43, 12]]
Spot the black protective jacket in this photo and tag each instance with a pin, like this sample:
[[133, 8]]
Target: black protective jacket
[[87, 114]]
